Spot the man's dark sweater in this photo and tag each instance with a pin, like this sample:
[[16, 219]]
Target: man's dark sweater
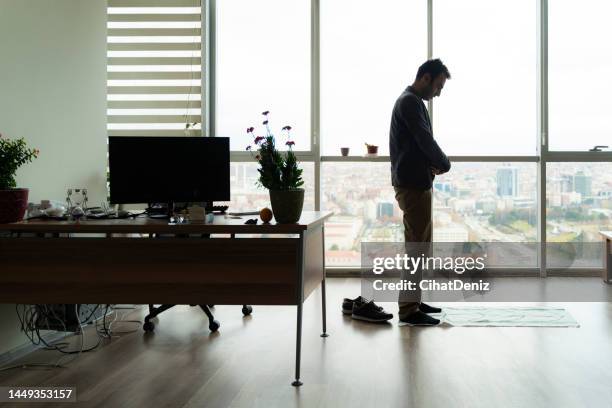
[[412, 146]]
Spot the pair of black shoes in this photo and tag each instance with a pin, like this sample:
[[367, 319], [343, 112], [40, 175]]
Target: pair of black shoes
[[361, 308], [420, 317]]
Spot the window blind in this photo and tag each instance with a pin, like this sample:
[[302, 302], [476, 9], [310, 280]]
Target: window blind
[[154, 68]]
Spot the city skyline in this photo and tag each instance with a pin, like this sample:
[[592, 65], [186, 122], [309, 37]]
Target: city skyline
[[467, 206]]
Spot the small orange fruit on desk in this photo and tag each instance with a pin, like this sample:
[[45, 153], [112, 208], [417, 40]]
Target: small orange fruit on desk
[[266, 215]]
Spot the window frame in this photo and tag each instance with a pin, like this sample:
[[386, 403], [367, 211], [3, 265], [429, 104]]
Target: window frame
[[542, 157]]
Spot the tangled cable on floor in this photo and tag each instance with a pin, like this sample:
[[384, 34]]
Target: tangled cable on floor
[[36, 318]]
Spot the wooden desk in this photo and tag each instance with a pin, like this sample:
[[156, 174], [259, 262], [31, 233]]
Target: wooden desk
[[607, 270], [257, 264]]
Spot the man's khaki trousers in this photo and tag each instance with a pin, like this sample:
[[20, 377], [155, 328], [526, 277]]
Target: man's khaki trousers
[[416, 206]]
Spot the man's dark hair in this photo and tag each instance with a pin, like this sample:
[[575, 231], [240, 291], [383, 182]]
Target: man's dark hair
[[434, 67]]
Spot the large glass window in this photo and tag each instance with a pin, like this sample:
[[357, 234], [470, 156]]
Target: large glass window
[[364, 206], [578, 201], [578, 206], [579, 66], [489, 105], [263, 63], [369, 54], [486, 202]]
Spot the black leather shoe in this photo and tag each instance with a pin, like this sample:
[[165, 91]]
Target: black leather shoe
[[425, 308], [370, 312], [347, 304], [419, 318]]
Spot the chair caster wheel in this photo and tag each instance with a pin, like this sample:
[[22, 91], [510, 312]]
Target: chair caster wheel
[[148, 326], [247, 310], [214, 326]]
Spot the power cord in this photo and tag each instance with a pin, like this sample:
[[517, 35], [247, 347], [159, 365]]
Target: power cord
[[31, 316]]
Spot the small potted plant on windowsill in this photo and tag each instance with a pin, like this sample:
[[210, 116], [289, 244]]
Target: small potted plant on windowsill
[[13, 201], [279, 173], [371, 149]]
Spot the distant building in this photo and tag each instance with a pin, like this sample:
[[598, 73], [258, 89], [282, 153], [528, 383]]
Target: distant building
[[450, 233], [342, 258], [566, 183], [342, 231], [384, 210], [553, 200], [442, 187], [570, 198], [486, 205], [463, 205], [523, 202], [507, 182], [561, 184], [464, 192], [601, 211], [582, 184], [370, 210], [441, 218]]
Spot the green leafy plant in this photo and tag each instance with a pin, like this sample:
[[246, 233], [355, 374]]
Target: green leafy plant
[[13, 154], [277, 171]]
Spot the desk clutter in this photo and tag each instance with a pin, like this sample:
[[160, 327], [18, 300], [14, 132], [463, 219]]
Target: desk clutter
[[55, 210], [182, 213]]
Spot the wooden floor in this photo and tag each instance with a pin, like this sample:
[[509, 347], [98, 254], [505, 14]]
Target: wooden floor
[[250, 362]]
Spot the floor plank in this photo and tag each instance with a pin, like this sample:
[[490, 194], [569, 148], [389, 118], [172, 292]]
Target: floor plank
[[250, 362]]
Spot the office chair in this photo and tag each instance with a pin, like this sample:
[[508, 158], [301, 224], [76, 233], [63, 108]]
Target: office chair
[[213, 324]]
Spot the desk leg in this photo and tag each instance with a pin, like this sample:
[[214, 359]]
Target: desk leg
[[608, 261], [323, 296], [298, 346], [323, 307]]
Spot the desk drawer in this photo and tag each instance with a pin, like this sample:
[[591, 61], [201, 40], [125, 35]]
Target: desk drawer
[[126, 270]]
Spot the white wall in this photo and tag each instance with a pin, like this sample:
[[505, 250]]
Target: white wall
[[53, 93]]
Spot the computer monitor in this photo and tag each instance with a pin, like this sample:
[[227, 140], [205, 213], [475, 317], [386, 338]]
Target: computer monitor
[[168, 169]]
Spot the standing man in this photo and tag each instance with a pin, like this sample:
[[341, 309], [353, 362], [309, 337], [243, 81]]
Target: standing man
[[416, 159]]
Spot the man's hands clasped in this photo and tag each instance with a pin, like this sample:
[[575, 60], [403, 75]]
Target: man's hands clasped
[[435, 171]]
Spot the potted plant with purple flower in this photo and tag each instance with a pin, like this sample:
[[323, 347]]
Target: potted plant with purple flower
[[13, 200], [279, 173]]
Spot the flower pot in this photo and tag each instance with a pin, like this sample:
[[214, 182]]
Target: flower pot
[[287, 205], [372, 149], [13, 205]]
